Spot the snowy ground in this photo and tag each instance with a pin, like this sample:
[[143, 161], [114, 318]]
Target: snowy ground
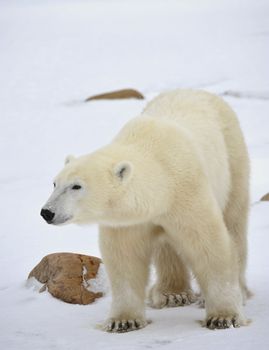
[[53, 54]]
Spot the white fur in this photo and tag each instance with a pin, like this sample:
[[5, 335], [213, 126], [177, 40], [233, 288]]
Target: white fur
[[171, 188]]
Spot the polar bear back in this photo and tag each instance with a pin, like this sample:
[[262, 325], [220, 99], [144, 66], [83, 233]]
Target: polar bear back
[[213, 127]]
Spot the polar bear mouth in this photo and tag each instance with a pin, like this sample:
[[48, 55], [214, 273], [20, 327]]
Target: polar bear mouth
[[61, 220]]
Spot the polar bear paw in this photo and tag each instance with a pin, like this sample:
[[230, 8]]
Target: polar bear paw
[[114, 325], [161, 300], [222, 322]]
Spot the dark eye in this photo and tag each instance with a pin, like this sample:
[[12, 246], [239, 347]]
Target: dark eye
[[54, 184], [76, 187]]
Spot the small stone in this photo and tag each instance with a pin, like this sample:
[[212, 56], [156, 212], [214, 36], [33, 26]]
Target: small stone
[[66, 276], [265, 197], [119, 94]]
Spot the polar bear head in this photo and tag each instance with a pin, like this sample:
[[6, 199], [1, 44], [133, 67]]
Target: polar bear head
[[111, 186]]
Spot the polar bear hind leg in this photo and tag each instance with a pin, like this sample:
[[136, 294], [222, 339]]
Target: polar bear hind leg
[[236, 217], [172, 287], [236, 211]]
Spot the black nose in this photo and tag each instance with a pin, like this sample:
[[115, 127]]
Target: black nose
[[47, 215]]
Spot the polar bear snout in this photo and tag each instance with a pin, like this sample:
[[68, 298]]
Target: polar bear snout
[[47, 215]]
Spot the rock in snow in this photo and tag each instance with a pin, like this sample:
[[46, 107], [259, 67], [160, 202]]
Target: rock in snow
[[119, 94], [71, 277], [265, 197]]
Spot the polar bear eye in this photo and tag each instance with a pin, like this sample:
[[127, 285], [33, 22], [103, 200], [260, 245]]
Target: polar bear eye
[[54, 184], [76, 187]]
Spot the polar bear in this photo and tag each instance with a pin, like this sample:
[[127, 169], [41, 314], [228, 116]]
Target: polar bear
[[172, 188]]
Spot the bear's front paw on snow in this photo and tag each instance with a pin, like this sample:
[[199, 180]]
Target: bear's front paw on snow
[[114, 325], [222, 322]]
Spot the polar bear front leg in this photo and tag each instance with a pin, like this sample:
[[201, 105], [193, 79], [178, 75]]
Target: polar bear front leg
[[211, 254], [126, 253], [216, 268]]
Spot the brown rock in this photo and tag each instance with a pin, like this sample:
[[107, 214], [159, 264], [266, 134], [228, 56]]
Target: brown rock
[[119, 94], [265, 197], [66, 276]]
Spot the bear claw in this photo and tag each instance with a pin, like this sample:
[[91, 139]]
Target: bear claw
[[222, 322], [122, 326], [161, 300]]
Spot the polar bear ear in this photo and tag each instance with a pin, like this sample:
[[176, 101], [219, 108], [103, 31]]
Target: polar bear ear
[[69, 159], [123, 170]]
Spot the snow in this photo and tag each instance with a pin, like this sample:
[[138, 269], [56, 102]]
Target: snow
[[54, 54], [99, 284], [35, 285]]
